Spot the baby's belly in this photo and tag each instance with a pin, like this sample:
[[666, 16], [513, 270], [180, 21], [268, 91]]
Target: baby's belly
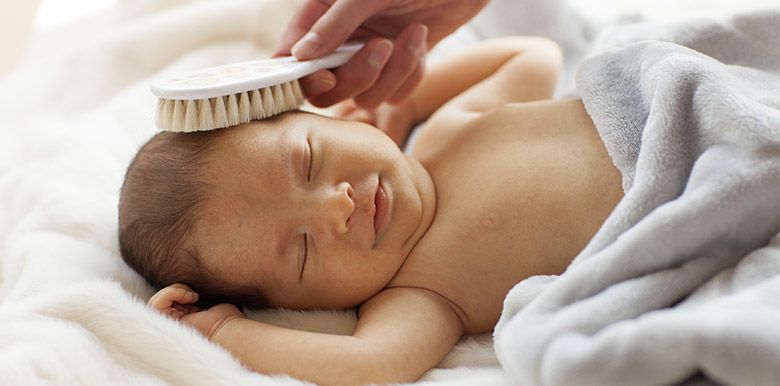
[[520, 195]]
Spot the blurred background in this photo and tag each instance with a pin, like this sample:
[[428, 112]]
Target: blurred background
[[19, 19]]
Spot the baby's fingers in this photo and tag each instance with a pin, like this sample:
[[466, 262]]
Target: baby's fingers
[[178, 311], [165, 298]]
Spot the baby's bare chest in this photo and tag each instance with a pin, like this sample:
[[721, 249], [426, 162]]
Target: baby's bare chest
[[510, 204]]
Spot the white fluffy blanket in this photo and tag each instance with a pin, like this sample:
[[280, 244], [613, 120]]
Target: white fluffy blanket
[[71, 118], [683, 279]]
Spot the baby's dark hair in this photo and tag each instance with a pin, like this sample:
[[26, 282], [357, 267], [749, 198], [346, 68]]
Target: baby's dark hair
[[159, 204]]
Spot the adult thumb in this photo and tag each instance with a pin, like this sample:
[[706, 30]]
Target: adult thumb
[[335, 26]]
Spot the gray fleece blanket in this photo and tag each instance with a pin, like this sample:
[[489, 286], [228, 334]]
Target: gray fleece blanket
[[682, 281]]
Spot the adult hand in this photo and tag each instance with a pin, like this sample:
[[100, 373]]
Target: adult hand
[[391, 64]]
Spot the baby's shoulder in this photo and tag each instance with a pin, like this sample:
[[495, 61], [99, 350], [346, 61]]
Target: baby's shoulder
[[440, 131]]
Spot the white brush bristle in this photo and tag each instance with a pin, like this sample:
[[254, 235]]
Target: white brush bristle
[[230, 110]]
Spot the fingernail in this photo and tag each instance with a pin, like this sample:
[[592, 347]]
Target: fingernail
[[380, 53], [308, 45], [417, 42]]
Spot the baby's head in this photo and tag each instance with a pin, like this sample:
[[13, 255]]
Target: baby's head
[[279, 212]]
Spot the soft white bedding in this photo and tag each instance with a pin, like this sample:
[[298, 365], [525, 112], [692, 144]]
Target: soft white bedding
[[71, 118]]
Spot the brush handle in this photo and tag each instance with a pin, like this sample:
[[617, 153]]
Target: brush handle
[[336, 59], [241, 77]]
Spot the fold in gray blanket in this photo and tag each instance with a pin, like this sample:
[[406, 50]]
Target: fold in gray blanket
[[683, 278]]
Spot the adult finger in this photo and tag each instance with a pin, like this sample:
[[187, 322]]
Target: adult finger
[[318, 83], [358, 74], [300, 23], [409, 48], [335, 26], [407, 89]]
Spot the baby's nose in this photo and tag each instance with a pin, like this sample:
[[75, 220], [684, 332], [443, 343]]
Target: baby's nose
[[340, 206]]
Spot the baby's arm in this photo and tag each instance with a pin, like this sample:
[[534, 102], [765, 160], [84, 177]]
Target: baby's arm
[[400, 334], [487, 75], [464, 85]]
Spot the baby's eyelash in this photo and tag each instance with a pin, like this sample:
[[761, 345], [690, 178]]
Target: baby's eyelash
[[305, 246], [305, 252], [311, 160]]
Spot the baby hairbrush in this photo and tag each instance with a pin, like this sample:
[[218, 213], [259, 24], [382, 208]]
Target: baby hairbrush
[[237, 93]]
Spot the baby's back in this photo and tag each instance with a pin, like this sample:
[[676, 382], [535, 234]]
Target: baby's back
[[520, 191]]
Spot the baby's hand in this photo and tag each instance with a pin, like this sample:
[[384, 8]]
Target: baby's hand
[[177, 301], [395, 121]]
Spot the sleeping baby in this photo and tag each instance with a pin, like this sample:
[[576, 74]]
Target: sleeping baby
[[304, 211]]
